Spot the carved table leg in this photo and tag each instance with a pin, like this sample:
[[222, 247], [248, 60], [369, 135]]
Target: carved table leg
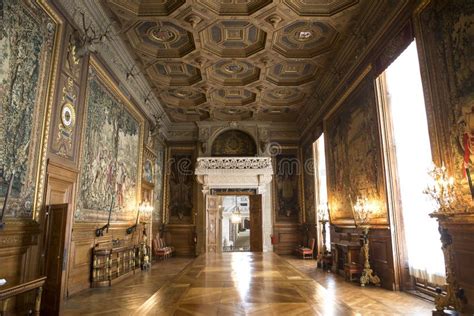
[[39, 292]]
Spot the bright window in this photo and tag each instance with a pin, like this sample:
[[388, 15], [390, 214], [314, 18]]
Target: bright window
[[320, 182], [411, 144]]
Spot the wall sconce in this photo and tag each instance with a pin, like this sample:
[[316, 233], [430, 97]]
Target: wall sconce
[[144, 208], [363, 212]]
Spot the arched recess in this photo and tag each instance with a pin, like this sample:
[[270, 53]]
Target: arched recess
[[234, 143]]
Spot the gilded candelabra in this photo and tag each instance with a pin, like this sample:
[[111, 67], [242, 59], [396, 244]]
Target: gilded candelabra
[[323, 219], [442, 190], [363, 210]]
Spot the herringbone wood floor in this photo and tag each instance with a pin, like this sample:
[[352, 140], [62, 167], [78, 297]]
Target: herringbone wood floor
[[241, 284]]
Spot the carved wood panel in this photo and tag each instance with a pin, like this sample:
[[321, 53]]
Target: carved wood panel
[[256, 235], [213, 223]]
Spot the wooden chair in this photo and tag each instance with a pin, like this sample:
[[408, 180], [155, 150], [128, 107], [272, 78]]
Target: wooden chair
[[307, 252]]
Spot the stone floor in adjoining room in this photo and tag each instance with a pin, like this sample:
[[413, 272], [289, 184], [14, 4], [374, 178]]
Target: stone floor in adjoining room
[[242, 284]]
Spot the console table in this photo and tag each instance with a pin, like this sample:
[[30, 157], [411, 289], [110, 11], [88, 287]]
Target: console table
[[346, 259], [111, 264]]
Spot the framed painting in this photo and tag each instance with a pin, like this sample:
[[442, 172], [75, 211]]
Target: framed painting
[[287, 185]]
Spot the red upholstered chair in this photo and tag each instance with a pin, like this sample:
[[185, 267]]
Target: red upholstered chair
[[158, 249], [307, 252]]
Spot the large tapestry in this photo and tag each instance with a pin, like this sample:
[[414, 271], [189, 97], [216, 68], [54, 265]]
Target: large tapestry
[[110, 157], [452, 24], [181, 181], [26, 46], [287, 186], [354, 161]]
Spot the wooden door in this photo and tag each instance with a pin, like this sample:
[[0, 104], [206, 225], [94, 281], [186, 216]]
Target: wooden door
[[213, 228], [256, 238], [55, 258]]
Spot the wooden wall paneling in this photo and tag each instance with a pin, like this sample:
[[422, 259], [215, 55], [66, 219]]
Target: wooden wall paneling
[[288, 237], [82, 242], [60, 189], [380, 250], [381, 256], [256, 236], [181, 238]]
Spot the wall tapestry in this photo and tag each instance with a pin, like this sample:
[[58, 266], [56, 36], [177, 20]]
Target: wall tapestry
[[181, 186], [286, 186], [110, 157], [453, 25], [234, 143], [159, 167], [26, 46], [354, 160]]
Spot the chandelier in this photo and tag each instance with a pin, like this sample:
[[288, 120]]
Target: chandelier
[[236, 217]]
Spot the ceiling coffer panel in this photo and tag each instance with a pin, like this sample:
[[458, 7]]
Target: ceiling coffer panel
[[161, 39], [233, 72], [319, 8], [233, 96], [234, 7], [235, 59], [183, 97], [233, 38], [148, 7], [292, 73], [304, 39], [283, 97], [173, 74]]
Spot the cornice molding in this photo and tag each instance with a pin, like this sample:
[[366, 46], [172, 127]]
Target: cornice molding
[[117, 58]]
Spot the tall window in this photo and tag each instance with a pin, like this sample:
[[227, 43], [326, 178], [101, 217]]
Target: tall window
[[321, 195], [404, 116]]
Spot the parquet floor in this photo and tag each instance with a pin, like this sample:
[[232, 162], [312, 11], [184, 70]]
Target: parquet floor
[[242, 284]]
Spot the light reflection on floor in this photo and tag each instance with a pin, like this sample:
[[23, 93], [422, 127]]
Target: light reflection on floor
[[252, 284]]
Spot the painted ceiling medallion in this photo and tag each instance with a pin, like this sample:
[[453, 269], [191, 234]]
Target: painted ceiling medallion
[[233, 38], [233, 72], [233, 68], [304, 36], [162, 34], [234, 7], [160, 39], [303, 39], [319, 8]]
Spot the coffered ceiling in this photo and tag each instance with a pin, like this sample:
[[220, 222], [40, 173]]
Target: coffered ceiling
[[234, 59]]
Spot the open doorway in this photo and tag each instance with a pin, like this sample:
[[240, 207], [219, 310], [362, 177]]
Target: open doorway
[[235, 223]]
